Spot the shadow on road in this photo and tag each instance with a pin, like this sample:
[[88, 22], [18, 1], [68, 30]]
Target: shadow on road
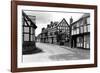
[[35, 51]]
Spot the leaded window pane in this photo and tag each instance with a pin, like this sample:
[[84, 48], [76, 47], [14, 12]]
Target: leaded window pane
[[88, 20], [77, 30], [26, 37], [26, 29], [88, 28]]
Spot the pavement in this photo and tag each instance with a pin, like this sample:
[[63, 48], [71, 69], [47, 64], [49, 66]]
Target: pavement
[[52, 52]]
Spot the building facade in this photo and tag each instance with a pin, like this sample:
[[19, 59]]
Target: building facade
[[56, 33], [80, 32], [28, 34]]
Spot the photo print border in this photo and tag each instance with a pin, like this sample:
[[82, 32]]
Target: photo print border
[[14, 45]]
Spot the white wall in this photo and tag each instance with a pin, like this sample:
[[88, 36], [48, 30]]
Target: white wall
[[5, 26]]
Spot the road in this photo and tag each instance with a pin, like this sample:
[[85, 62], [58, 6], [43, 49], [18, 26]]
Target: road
[[51, 52]]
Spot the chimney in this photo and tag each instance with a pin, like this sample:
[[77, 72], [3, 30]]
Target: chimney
[[43, 29], [51, 24], [48, 26], [71, 20]]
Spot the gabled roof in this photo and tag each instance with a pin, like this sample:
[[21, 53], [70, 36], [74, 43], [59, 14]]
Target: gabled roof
[[84, 16], [58, 25], [64, 21], [29, 19]]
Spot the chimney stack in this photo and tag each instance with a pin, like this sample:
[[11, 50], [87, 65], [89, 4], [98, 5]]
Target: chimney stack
[[71, 20]]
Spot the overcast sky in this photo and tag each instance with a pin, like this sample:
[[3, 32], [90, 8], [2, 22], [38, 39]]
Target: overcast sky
[[43, 18]]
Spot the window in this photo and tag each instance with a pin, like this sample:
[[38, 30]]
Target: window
[[74, 27], [80, 42], [77, 24], [26, 29], [72, 32], [88, 28], [32, 38], [77, 30], [88, 20], [26, 37], [86, 41], [32, 34]]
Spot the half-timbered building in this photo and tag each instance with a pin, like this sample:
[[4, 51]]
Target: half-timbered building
[[80, 32], [63, 32], [56, 33], [28, 33]]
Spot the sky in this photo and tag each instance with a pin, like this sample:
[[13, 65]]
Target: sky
[[43, 18]]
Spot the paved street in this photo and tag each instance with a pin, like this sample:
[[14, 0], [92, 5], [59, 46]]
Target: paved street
[[51, 52]]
